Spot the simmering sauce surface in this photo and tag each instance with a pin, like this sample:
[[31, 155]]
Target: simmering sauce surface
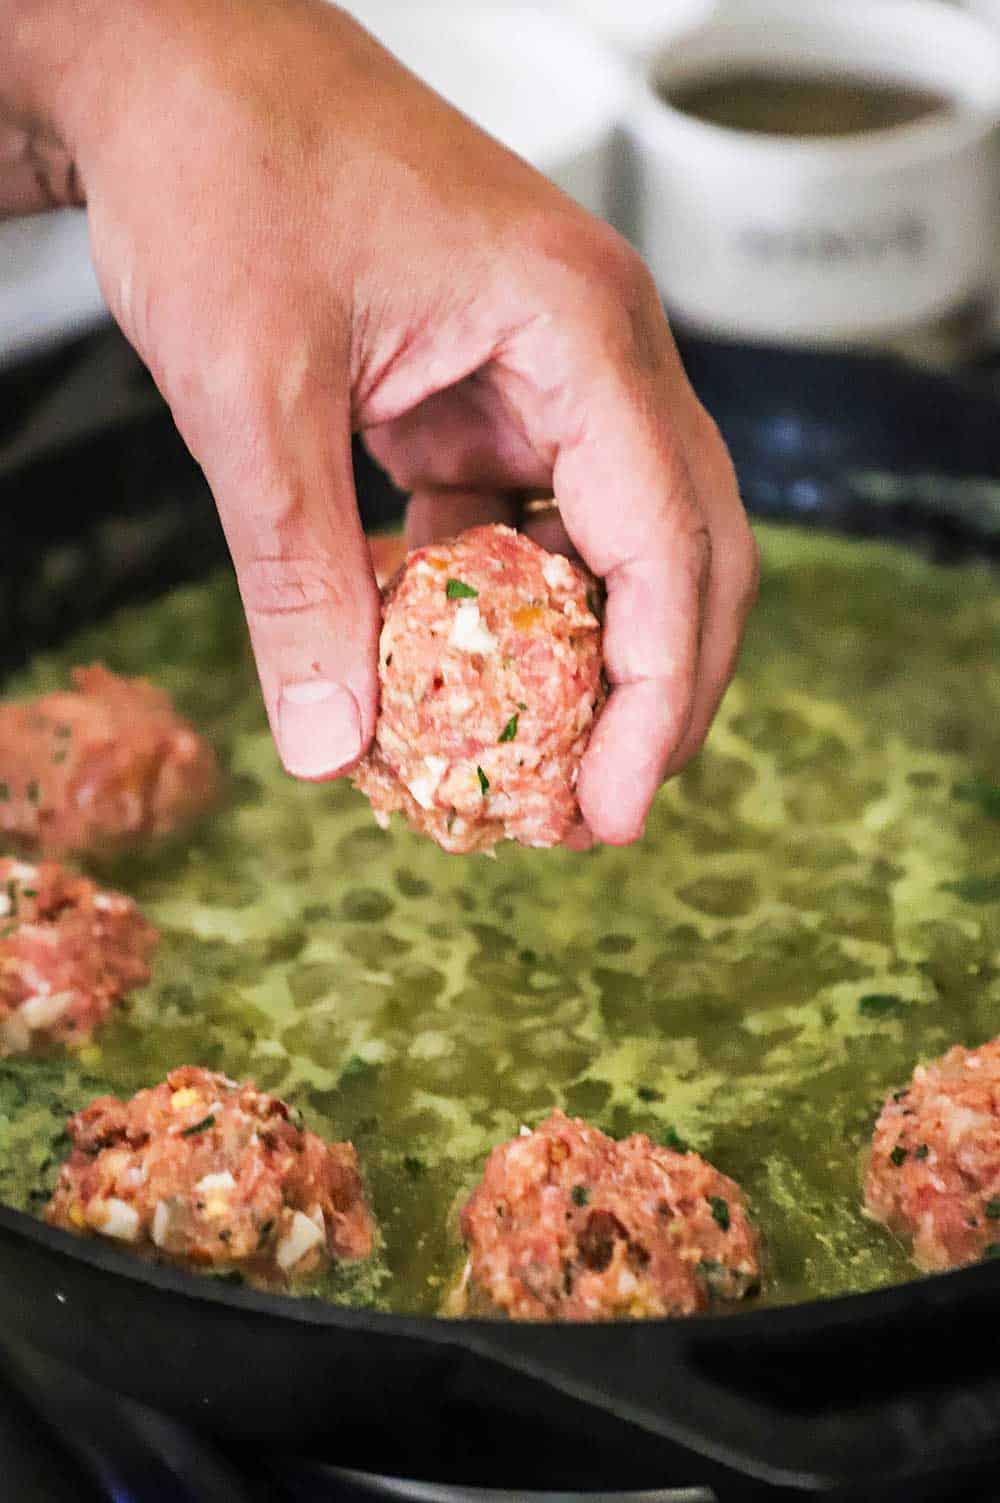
[[803, 104], [815, 907]]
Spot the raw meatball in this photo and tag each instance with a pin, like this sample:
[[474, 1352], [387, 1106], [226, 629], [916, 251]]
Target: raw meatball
[[934, 1173], [567, 1224], [102, 764], [69, 951], [205, 1173], [490, 664]]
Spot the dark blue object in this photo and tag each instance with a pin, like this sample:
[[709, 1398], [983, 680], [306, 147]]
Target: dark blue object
[[867, 443]]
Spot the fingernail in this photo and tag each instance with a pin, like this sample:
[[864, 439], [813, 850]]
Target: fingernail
[[319, 728]]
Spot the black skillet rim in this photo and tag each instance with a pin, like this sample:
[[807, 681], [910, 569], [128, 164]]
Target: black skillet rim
[[840, 1310]]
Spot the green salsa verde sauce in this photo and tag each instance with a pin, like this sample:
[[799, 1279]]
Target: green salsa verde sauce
[[815, 907]]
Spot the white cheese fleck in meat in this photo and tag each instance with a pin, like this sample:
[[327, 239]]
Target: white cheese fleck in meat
[[161, 1223], [425, 784], [558, 572], [302, 1236], [121, 1220], [960, 1120], [468, 633], [223, 1180], [41, 1012]]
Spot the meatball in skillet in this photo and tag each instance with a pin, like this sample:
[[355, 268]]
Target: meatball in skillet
[[208, 1174], [567, 1224], [933, 1176], [70, 951], [103, 764]]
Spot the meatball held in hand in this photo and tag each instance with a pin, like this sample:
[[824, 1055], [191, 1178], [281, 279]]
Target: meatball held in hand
[[104, 764], [70, 951], [933, 1177], [567, 1224], [490, 665], [209, 1174]]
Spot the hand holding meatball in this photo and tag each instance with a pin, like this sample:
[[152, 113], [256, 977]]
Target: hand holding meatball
[[300, 239]]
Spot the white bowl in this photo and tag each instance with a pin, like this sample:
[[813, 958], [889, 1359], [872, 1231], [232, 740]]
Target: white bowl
[[823, 239], [988, 9], [633, 27]]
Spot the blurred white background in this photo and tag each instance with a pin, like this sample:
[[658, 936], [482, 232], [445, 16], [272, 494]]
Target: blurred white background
[[552, 80]]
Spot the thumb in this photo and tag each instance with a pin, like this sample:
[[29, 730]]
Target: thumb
[[285, 493]]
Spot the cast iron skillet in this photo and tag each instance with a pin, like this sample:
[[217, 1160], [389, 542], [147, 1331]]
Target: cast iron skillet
[[879, 1389]]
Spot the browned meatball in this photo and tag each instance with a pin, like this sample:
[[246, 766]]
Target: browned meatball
[[206, 1173], [934, 1173], [490, 664], [69, 951], [567, 1224], [99, 765]]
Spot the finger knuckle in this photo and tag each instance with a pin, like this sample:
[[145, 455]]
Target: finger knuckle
[[603, 278], [626, 309], [692, 529], [750, 582], [742, 569], [621, 268], [276, 587]]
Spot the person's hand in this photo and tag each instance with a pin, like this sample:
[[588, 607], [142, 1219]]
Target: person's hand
[[300, 239]]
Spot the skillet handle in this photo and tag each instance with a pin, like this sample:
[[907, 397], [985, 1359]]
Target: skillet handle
[[875, 1390]]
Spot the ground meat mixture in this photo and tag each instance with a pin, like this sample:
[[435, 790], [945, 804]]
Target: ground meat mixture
[[933, 1177], [69, 951], [208, 1174], [567, 1224], [99, 765], [490, 665]]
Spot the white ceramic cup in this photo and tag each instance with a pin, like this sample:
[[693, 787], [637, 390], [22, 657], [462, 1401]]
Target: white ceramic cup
[[809, 239], [632, 27], [988, 9]]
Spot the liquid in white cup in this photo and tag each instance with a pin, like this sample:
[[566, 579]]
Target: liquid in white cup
[[831, 237]]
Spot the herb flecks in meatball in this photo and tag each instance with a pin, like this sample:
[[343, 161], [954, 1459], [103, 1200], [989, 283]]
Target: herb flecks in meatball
[[567, 1224], [105, 764], [70, 951], [491, 672], [209, 1174], [933, 1177]]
